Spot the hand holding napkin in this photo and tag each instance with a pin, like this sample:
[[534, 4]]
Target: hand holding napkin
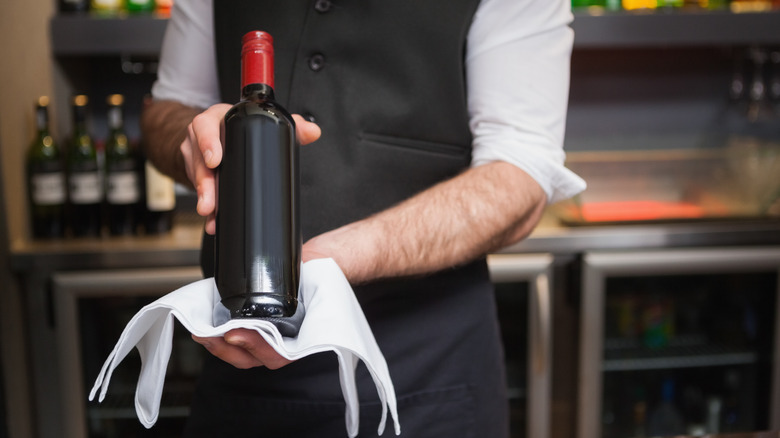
[[334, 322]]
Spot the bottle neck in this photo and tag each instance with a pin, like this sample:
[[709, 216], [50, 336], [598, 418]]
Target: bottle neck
[[115, 118], [255, 92], [257, 60], [80, 119], [42, 120]]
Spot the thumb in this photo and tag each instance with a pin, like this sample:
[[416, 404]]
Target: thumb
[[306, 131]]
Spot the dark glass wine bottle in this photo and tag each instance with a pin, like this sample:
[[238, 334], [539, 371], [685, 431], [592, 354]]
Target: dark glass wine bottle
[[258, 240], [106, 7], [160, 197], [137, 6], [45, 178], [74, 5], [85, 187], [123, 190]]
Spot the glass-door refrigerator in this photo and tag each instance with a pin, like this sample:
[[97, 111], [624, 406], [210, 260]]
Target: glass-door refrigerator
[[679, 342], [93, 307]]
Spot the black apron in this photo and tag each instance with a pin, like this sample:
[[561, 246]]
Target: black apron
[[385, 81]]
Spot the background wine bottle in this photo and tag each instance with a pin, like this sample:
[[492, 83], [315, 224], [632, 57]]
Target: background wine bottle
[[73, 5], [139, 6], [85, 186], [665, 419], [123, 190], [639, 4], [670, 4], [160, 197], [45, 178], [106, 7], [163, 7], [258, 240]]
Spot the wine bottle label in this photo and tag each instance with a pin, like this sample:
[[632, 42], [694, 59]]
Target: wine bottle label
[[107, 4], [85, 188], [122, 188], [48, 188], [160, 191]]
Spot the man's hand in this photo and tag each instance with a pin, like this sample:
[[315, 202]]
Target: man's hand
[[243, 348], [202, 153]]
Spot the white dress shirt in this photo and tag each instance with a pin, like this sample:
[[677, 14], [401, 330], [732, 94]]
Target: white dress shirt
[[517, 72]]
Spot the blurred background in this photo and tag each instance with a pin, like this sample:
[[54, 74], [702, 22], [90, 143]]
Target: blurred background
[[646, 306]]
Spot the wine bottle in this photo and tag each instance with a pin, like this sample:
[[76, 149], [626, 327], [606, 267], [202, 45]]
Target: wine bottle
[[163, 7], [666, 420], [669, 4], [106, 7], [160, 200], [139, 6], [639, 4], [123, 191], [74, 5], [258, 240], [45, 178], [580, 3], [85, 187]]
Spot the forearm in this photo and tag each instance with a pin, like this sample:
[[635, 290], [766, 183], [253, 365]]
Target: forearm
[[481, 210], [164, 128]]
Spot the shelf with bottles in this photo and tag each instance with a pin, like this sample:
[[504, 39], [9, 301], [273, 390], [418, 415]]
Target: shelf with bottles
[[596, 28], [738, 6], [115, 7], [89, 34], [673, 322], [690, 351], [597, 7], [85, 188]]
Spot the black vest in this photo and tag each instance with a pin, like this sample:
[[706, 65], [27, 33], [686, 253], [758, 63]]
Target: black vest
[[389, 94], [390, 98]]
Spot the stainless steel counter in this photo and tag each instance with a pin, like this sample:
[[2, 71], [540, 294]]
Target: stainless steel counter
[[182, 246], [551, 237]]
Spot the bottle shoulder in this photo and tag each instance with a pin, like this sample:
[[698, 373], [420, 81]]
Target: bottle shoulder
[[265, 108], [82, 148], [117, 142], [43, 147]]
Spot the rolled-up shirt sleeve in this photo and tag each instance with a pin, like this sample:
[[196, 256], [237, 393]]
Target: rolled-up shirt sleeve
[[517, 67], [188, 68]]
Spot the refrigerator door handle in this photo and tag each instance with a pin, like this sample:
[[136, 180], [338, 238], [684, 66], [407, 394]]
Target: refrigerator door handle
[[540, 349], [543, 321]]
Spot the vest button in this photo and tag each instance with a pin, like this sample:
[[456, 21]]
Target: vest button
[[322, 6], [309, 117], [317, 62]]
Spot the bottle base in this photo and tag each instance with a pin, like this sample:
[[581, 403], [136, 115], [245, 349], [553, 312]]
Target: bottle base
[[259, 305]]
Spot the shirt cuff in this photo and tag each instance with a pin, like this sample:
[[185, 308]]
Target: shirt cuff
[[557, 181]]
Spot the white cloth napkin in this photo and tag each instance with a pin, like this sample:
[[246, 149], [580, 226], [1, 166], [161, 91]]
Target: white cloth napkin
[[334, 322]]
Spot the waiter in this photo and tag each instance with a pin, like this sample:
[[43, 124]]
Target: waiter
[[439, 129]]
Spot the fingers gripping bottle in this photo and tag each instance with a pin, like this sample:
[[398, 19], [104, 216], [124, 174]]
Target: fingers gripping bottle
[[258, 239]]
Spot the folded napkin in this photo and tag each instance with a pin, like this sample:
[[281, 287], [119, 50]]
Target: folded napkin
[[334, 322]]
